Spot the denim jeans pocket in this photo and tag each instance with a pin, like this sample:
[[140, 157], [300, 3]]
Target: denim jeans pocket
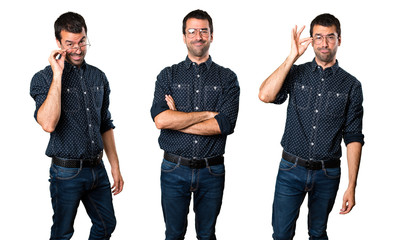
[[167, 166], [286, 165], [332, 173], [217, 170], [63, 173]]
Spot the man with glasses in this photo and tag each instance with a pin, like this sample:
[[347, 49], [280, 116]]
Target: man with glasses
[[72, 100], [325, 106], [196, 106]]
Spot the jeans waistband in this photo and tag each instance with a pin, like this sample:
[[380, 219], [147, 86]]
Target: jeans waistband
[[76, 163], [312, 164], [194, 163]]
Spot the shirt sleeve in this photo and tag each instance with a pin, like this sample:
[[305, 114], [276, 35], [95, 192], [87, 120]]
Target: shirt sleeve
[[161, 89], [39, 88], [286, 88], [353, 126], [228, 110], [106, 121]]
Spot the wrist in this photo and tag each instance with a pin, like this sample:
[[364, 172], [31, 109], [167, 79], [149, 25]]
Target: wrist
[[291, 59], [57, 76]]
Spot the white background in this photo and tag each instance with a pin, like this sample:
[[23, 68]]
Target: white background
[[131, 42]]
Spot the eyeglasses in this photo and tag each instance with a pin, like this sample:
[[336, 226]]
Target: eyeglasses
[[191, 32], [331, 38], [84, 43]]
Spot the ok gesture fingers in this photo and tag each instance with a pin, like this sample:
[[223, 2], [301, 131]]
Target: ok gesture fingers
[[298, 46]]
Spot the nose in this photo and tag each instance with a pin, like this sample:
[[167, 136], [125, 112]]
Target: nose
[[78, 50], [199, 35], [324, 41]]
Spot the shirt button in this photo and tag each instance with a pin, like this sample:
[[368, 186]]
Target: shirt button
[[316, 111], [92, 141], [197, 91], [314, 127], [312, 144], [195, 141], [87, 109], [84, 92], [196, 108], [90, 125], [198, 75], [322, 79], [319, 94]]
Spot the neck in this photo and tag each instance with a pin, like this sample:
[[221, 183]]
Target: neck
[[325, 65], [197, 59]]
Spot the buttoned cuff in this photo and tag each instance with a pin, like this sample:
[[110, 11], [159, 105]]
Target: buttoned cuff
[[224, 124], [106, 127], [353, 137], [158, 108]]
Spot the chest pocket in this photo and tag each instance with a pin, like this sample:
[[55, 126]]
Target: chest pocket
[[181, 96], [301, 96], [70, 100], [336, 104], [98, 96], [212, 96]]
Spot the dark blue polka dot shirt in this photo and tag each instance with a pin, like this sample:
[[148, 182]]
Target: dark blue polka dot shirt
[[84, 110], [324, 107], [204, 87]]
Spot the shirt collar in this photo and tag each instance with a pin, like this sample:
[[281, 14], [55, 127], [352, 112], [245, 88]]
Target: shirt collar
[[68, 66], [207, 63], [333, 68]]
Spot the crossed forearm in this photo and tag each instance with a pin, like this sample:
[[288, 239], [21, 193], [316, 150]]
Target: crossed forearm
[[176, 120]]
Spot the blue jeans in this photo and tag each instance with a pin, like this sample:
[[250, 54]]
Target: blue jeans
[[292, 184], [177, 184], [68, 187]]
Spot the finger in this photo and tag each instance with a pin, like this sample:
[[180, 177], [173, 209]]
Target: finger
[[299, 32], [344, 207], [55, 53], [347, 206], [121, 186], [115, 189], [63, 55], [294, 32], [169, 98], [306, 39], [170, 102]]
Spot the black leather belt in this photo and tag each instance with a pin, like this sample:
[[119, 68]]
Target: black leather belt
[[76, 163], [194, 163], [311, 165]]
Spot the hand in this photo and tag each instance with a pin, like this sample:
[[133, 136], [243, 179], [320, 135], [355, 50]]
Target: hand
[[117, 187], [298, 47], [349, 201], [57, 64], [170, 102]]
